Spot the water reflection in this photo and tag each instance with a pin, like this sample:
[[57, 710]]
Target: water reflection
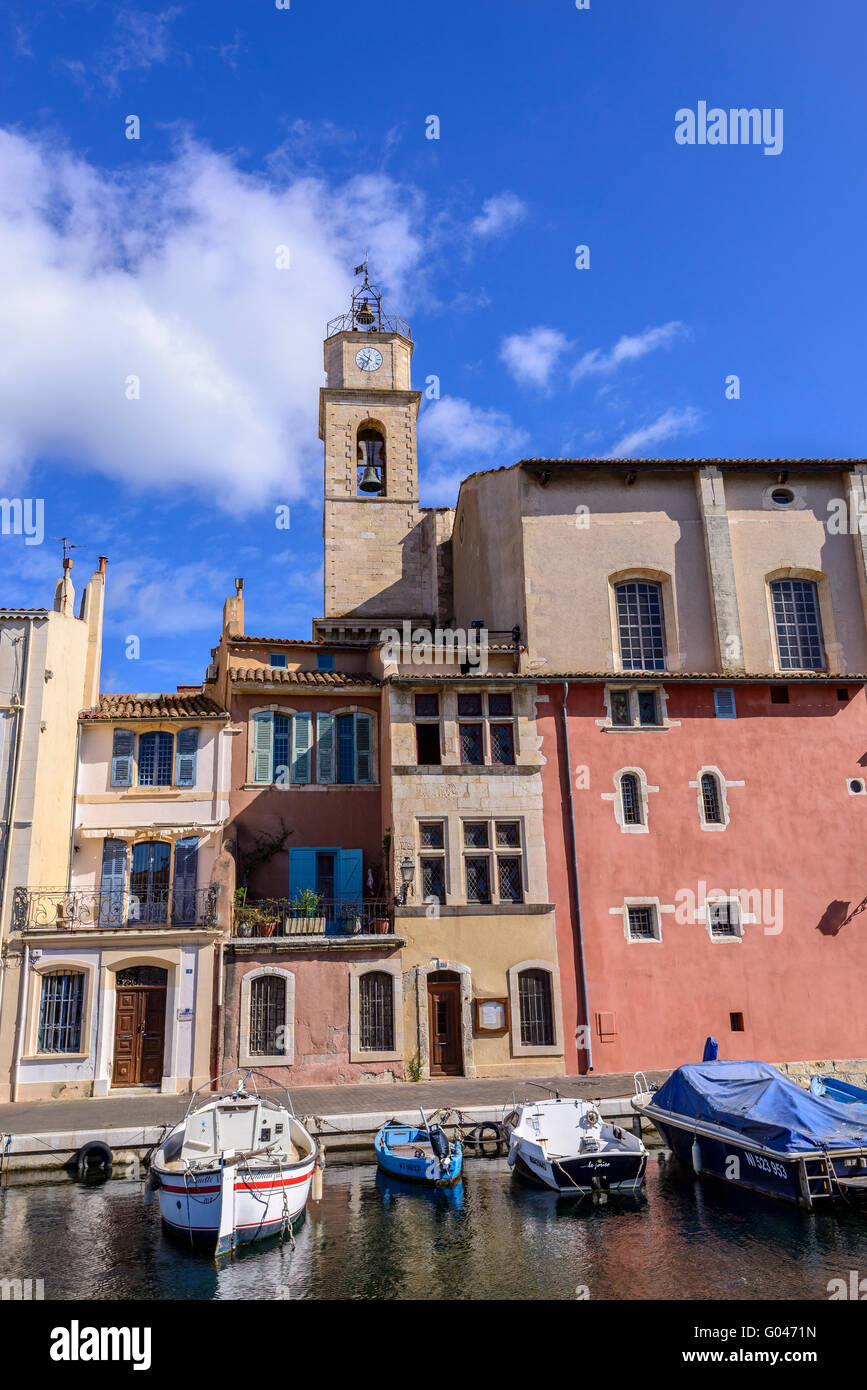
[[492, 1236]]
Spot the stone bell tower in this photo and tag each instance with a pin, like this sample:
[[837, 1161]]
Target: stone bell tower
[[375, 569]]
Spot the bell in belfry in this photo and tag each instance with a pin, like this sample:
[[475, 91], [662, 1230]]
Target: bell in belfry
[[370, 481], [365, 314], [370, 455]]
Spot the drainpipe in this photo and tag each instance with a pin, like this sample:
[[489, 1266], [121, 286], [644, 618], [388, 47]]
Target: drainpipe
[[19, 1026], [579, 938], [21, 706], [74, 800]]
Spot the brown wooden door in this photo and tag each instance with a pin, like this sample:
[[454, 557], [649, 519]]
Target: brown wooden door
[[444, 1010], [139, 1035]]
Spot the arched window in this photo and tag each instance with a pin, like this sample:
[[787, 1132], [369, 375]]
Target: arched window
[[630, 799], [639, 625], [796, 619], [376, 1012], [711, 801], [155, 760], [60, 1010], [370, 463], [536, 1008], [267, 1015]]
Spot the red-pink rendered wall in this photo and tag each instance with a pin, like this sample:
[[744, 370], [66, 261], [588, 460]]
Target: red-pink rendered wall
[[321, 1015], [794, 826]]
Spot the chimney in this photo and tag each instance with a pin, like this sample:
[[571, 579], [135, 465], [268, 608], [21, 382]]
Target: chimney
[[92, 607], [233, 612], [64, 593]]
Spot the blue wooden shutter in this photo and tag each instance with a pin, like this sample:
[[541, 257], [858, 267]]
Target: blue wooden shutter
[[282, 730], [364, 747], [113, 883], [302, 741], [302, 871], [185, 760], [724, 704], [349, 876], [185, 881], [325, 747], [263, 747], [121, 758]]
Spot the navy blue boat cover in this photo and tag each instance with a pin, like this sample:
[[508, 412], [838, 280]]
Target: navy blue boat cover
[[757, 1101]]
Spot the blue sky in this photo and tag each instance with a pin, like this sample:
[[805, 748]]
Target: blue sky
[[306, 127]]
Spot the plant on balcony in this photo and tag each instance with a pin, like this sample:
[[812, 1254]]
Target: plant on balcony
[[305, 910]]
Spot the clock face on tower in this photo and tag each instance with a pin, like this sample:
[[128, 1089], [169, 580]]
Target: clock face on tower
[[369, 359]]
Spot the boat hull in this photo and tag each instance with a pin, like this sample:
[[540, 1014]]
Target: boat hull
[[605, 1172], [191, 1205], [422, 1167]]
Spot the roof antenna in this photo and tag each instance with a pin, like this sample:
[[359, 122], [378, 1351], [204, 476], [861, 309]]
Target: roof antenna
[[67, 546]]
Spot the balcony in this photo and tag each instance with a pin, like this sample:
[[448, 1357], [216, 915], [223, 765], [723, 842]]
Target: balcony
[[282, 917], [91, 909]]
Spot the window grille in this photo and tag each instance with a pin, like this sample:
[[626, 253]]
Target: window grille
[[432, 880], [642, 924], [376, 1006], [508, 834], [500, 706], [639, 620], [509, 879], [630, 797], [725, 919], [476, 834], [60, 1012], [469, 706], [710, 799], [502, 743], [267, 1014], [472, 750], [537, 1015], [427, 706], [796, 616], [155, 760], [431, 834], [478, 880]]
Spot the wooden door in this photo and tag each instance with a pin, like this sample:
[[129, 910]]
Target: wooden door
[[139, 1035], [444, 1011]]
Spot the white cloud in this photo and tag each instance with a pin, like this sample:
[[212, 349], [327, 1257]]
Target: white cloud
[[628, 349], [499, 215], [670, 423], [457, 438], [533, 356], [170, 276]]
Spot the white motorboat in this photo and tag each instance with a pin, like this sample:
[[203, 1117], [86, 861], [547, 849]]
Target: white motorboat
[[238, 1167], [566, 1145]]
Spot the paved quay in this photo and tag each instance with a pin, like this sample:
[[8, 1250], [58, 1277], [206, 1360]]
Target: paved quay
[[125, 1111]]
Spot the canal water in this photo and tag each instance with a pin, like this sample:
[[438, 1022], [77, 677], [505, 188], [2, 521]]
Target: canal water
[[493, 1237]]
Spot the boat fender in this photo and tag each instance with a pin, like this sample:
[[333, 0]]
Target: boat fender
[[696, 1155], [95, 1155], [316, 1186], [439, 1142]]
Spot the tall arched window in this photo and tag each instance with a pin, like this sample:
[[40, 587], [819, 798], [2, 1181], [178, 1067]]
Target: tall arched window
[[630, 799], [376, 1012], [536, 1008], [711, 801], [370, 463], [796, 619], [267, 1015], [639, 625]]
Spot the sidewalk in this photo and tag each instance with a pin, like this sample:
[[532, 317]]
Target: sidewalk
[[34, 1117]]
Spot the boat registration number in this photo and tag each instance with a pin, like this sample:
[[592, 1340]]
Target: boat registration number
[[767, 1165]]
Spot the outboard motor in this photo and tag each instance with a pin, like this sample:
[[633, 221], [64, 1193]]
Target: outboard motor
[[439, 1142]]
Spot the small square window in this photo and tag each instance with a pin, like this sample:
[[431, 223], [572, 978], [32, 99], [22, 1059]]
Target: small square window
[[472, 744], [431, 834], [842, 694], [648, 707], [469, 706], [779, 694], [277, 660], [325, 661], [476, 834], [737, 1022], [427, 706], [500, 706], [509, 834], [620, 707], [724, 704], [725, 920], [642, 923], [502, 744]]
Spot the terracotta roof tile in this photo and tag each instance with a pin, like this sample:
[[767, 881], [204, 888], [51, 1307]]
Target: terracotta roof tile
[[148, 705], [322, 680]]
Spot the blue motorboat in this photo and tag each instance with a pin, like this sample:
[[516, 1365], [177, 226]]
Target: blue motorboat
[[835, 1089], [419, 1153], [749, 1124]]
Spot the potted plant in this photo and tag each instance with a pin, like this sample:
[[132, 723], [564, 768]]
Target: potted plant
[[305, 913]]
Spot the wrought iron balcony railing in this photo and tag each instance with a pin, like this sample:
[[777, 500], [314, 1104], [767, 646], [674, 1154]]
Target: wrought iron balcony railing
[[76, 909], [283, 917]]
